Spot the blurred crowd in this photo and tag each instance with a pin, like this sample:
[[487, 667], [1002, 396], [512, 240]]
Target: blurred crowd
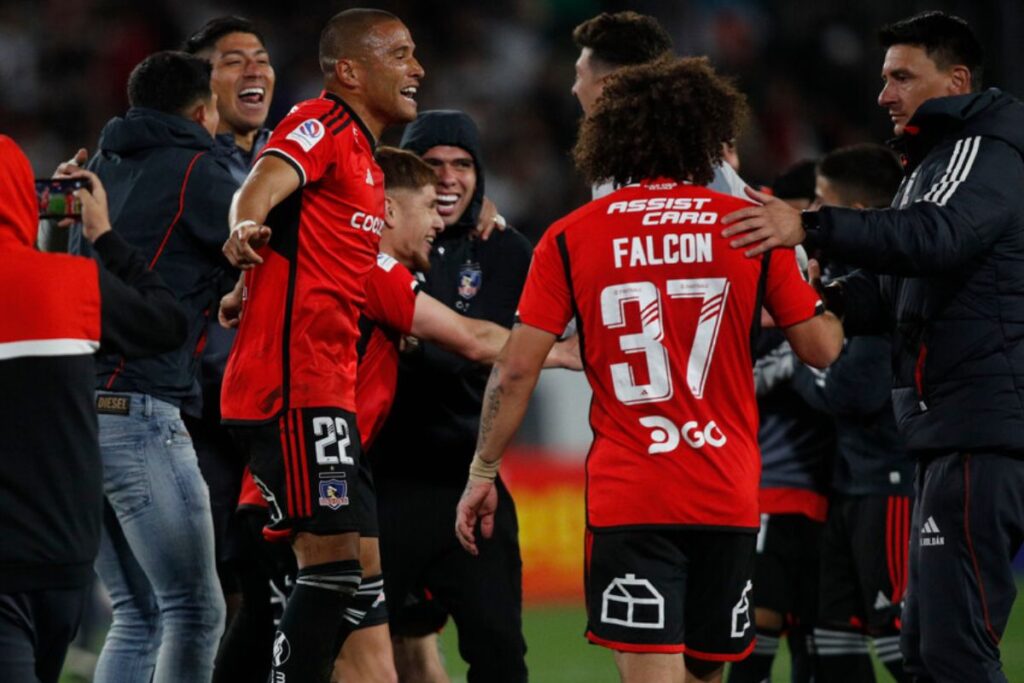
[[809, 69]]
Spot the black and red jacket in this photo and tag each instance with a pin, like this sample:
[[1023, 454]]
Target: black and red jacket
[[57, 311], [169, 189], [943, 270]]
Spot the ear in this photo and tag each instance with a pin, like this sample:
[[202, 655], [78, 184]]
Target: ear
[[347, 72], [199, 113], [960, 80], [389, 212]]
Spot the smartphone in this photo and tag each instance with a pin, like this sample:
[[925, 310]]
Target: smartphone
[[57, 197]]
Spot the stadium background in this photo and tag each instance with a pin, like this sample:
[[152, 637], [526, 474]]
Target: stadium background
[[809, 69]]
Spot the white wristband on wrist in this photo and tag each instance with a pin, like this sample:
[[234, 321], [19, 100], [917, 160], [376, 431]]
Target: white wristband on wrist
[[241, 224], [482, 471]]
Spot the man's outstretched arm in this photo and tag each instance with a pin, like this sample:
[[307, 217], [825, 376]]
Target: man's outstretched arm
[[508, 392], [271, 180], [477, 340]]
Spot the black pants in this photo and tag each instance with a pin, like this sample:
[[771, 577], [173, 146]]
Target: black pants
[[967, 526], [483, 594], [36, 628]]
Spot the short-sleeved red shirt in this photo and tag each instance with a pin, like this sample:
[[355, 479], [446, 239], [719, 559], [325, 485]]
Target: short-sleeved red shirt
[[296, 345], [390, 305], [666, 310]]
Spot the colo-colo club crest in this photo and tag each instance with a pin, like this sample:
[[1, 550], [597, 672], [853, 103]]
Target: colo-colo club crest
[[470, 277]]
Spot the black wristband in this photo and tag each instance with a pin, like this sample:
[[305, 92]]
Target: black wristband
[[834, 296]]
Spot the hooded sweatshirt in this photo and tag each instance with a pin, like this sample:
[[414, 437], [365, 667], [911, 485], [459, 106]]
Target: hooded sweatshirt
[[57, 311], [431, 433], [169, 189]]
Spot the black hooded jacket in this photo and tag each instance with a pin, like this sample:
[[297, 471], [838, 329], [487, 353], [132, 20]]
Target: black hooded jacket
[[431, 432], [947, 275], [169, 189]]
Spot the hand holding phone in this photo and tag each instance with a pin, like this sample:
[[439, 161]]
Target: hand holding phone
[[57, 198], [92, 202]]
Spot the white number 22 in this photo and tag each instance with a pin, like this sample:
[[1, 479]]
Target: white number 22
[[712, 292], [332, 430]]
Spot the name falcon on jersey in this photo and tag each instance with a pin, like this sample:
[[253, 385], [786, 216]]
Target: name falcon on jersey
[[667, 249]]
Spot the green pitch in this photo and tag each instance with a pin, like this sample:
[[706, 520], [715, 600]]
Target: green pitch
[[558, 653]]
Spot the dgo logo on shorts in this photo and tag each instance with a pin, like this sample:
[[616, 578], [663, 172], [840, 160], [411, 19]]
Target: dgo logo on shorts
[[307, 134], [633, 603]]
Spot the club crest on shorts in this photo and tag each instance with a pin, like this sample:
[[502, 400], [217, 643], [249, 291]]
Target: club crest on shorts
[[470, 278], [333, 493], [632, 602]]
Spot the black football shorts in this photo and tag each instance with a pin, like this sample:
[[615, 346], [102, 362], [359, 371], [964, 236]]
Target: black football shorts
[[787, 566], [306, 465], [671, 591]]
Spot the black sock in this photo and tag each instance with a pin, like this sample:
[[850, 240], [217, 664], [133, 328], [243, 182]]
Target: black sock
[[802, 663], [887, 648], [310, 634], [758, 666], [842, 657]]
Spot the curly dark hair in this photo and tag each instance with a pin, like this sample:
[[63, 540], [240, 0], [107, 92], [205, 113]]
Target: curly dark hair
[[667, 119], [623, 38]]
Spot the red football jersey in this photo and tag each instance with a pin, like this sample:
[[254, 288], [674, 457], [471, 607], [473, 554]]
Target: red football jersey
[[390, 304], [666, 310], [296, 345]]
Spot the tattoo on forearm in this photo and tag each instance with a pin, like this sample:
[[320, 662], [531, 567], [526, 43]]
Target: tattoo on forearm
[[492, 403]]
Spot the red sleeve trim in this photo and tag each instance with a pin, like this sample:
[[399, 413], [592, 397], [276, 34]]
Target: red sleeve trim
[[181, 209]]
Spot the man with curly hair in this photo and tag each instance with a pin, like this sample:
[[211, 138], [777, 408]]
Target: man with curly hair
[[666, 312]]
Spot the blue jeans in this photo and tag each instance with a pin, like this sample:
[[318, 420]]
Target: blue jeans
[[156, 553]]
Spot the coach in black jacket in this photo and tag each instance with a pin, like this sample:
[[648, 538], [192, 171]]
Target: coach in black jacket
[[57, 310], [946, 274]]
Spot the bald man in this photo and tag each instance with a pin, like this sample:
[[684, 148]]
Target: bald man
[[305, 230]]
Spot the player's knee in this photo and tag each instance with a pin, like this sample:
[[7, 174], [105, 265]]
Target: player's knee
[[702, 669], [768, 619]]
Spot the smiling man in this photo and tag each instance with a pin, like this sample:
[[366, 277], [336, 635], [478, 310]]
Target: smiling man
[[243, 79], [421, 455], [945, 276], [310, 214]]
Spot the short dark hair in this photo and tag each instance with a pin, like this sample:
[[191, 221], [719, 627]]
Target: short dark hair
[[404, 170], [623, 38], [169, 81], [948, 41], [796, 182], [342, 35], [667, 118], [207, 36], [866, 174]]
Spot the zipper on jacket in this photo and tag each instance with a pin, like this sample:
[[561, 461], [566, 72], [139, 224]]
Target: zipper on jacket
[[922, 354]]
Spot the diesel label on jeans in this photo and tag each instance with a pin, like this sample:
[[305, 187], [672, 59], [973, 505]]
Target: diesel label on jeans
[[112, 405]]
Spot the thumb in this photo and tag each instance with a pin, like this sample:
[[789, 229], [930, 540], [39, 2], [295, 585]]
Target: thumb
[[81, 156], [760, 197]]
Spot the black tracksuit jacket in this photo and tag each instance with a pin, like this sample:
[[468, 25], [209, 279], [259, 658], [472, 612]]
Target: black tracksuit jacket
[[944, 271]]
